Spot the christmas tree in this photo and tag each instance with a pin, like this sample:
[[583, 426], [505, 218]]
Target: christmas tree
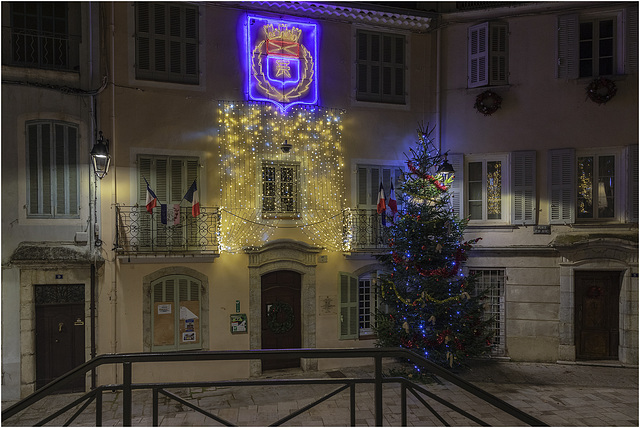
[[430, 306]]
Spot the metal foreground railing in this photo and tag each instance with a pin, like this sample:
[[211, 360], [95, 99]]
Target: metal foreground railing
[[377, 355]]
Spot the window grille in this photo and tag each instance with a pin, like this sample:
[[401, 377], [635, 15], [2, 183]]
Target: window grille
[[492, 282], [367, 304]]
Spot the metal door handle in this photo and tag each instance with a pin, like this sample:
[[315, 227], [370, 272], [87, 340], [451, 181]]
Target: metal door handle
[[60, 325]]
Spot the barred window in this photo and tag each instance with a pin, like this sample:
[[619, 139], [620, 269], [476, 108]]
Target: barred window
[[52, 170], [45, 35], [167, 42], [367, 303], [280, 190], [491, 281]]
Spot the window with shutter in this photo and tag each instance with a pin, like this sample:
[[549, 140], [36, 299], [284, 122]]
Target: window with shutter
[[348, 315], [523, 187], [488, 55], [457, 186], [380, 67], [561, 186], [176, 309], [487, 188], [169, 177], [52, 163], [591, 46], [167, 42]]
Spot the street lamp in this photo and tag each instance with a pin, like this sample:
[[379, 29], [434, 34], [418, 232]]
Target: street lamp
[[100, 157], [446, 169]]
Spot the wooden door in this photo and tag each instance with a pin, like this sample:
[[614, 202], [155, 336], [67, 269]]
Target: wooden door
[[59, 343], [597, 314], [281, 320]]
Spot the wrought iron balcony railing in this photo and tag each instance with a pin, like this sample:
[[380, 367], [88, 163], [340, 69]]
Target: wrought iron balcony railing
[[43, 49], [365, 231], [138, 232]]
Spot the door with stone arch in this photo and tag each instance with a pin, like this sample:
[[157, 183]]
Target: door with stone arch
[[281, 317]]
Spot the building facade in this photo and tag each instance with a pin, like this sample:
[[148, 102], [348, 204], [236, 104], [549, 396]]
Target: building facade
[[248, 142]]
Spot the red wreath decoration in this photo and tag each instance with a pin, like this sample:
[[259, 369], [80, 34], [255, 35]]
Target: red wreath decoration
[[488, 103], [601, 90]]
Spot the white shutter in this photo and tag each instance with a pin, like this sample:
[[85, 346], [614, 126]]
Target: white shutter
[[632, 184], [478, 55], [631, 40], [523, 190], [457, 162], [498, 50], [568, 54], [561, 186], [348, 315]]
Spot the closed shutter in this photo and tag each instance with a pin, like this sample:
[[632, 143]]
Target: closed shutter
[[348, 316], [478, 73], [66, 161], [523, 179], [143, 40], [631, 42], [568, 57], [561, 186], [498, 50], [632, 184], [362, 186], [457, 162]]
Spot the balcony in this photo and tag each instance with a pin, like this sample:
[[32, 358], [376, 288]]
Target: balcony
[[364, 231], [139, 233]]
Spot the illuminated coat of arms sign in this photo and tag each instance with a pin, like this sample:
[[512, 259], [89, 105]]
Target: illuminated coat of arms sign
[[282, 61]]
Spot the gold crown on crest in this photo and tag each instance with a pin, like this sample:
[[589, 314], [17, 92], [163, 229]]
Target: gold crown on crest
[[282, 32]]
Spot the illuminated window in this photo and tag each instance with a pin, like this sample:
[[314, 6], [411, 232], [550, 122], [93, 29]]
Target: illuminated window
[[491, 282], [175, 313], [597, 47], [380, 67], [486, 189], [167, 42], [358, 302], [52, 169], [280, 190], [595, 187], [487, 55], [45, 35]]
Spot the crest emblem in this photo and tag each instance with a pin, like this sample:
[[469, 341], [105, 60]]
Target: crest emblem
[[282, 61]]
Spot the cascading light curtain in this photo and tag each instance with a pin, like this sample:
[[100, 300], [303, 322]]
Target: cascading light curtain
[[250, 135]]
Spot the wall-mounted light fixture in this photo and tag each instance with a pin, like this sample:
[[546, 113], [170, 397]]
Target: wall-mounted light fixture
[[100, 157], [286, 147], [446, 169]]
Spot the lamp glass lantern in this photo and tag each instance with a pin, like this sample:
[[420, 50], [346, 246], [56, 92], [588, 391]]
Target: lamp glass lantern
[[100, 157], [446, 169]]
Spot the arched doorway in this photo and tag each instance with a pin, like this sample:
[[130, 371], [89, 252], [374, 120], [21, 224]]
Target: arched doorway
[[281, 316]]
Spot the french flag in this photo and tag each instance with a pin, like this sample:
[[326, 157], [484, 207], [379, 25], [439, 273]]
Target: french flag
[[152, 199], [382, 206], [192, 196], [392, 207]]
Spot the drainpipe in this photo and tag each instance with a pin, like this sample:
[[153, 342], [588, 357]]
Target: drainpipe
[[114, 287]]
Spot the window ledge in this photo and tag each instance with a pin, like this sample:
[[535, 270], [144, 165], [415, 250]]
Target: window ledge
[[164, 258]]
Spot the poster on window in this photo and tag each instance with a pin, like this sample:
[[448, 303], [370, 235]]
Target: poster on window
[[189, 312], [189, 336], [163, 324]]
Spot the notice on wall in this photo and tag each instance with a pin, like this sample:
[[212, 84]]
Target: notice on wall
[[238, 323], [189, 336], [164, 309]]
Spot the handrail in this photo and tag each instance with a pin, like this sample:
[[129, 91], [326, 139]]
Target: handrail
[[376, 353]]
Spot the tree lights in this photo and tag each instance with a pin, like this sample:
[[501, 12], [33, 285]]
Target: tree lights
[[250, 136]]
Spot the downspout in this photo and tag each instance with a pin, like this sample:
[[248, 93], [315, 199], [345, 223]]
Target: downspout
[[114, 288], [93, 210]]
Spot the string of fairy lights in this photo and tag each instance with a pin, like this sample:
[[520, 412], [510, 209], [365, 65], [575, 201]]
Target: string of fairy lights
[[250, 137]]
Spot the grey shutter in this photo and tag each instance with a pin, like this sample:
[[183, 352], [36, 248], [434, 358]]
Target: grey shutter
[[66, 170], [478, 55], [348, 315], [498, 54], [143, 40], [40, 159], [632, 184], [362, 186], [523, 187], [457, 185], [631, 40], [374, 185], [568, 54], [561, 186]]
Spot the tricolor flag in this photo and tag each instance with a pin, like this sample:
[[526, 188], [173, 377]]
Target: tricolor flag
[[381, 203], [392, 206], [152, 199], [192, 196], [170, 214]]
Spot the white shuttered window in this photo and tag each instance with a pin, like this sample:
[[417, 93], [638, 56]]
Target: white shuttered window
[[488, 62], [523, 187]]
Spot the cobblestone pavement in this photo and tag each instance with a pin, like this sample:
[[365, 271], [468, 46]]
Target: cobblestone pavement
[[557, 394]]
